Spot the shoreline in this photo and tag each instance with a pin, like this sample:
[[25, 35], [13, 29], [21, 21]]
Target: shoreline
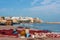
[[18, 38]]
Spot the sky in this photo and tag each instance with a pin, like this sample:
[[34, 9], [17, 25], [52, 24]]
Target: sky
[[47, 10]]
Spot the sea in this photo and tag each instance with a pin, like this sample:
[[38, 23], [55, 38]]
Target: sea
[[41, 26]]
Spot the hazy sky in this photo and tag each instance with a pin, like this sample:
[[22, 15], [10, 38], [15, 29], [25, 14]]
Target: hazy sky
[[47, 10]]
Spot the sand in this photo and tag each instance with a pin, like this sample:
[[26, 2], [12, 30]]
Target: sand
[[11, 38]]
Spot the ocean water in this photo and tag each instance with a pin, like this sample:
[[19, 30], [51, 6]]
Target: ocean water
[[43, 26]]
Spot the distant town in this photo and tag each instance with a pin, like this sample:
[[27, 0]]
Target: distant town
[[9, 20]]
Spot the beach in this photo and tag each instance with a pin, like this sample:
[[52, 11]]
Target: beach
[[9, 38], [18, 38]]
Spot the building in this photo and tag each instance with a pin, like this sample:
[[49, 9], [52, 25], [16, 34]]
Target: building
[[26, 19], [2, 20], [37, 20]]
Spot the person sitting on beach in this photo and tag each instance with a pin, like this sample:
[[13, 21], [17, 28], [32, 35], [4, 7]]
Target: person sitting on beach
[[27, 32], [15, 31], [22, 34]]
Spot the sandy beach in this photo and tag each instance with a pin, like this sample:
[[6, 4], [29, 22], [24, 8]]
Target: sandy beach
[[9, 38], [18, 38]]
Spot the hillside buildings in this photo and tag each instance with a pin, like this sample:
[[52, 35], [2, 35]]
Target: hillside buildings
[[20, 20]]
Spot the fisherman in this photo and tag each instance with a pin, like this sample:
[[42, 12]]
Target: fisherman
[[22, 34], [27, 32], [15, 31]]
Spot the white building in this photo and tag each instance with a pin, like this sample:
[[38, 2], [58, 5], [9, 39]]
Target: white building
[[26, 18], [7, 18], [15, 18]]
